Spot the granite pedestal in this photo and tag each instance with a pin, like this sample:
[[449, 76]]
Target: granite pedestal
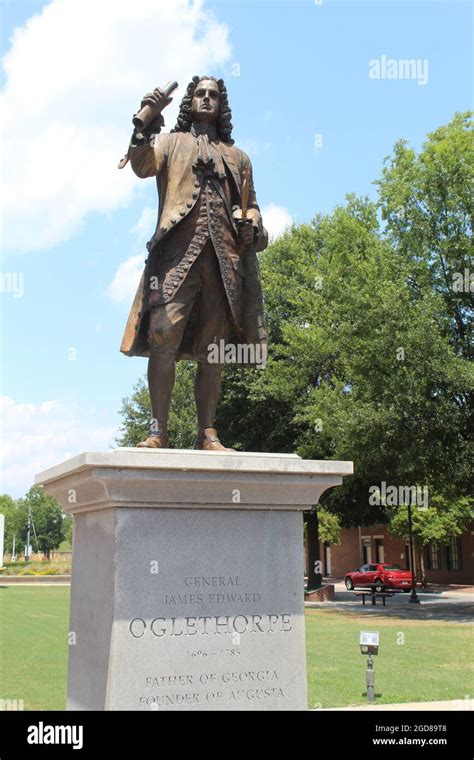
[[187, 578]]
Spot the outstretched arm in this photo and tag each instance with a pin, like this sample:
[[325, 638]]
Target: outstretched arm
[[148, 149], [148, 153]]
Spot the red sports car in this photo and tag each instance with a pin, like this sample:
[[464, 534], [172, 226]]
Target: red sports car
[[380, 577]]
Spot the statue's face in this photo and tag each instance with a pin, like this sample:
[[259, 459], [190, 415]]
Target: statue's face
[[206, 101]]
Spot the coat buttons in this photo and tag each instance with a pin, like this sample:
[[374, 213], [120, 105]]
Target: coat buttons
[[173, 221], [197, 184], [195, 195], [182, 212]]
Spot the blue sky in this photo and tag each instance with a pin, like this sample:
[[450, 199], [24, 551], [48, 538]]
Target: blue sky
[[71, 217]]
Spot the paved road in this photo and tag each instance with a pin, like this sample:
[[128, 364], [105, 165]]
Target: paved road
[[434, 605], [454, 704]]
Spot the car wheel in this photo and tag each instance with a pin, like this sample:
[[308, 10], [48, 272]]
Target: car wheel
[[406, 590], [349, 584], [378, 587]]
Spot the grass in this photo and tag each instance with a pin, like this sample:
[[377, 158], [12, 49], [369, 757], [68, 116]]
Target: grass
[[33, 645], [435, 661], [418, 661]]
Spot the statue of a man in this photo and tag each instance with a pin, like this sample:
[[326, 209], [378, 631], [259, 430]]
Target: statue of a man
[[200, 288]]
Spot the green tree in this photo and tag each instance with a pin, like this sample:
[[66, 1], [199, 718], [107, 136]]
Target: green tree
[[68, 528], [426, 200], [370, 343], [329, 527], [8, 509], [358, 365], [136, 411], [440, 522], [47, 519]]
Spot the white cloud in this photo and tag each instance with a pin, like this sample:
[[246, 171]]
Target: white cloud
[[145, 227], [276, 219], [74, 75], [125, 282], [38, 436], [123, 286]]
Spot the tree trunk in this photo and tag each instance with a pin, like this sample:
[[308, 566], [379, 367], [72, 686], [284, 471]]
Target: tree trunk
[[422, 568], [314, 559]]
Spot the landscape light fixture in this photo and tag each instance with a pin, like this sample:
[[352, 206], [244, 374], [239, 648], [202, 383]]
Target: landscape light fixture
[[369, 645]]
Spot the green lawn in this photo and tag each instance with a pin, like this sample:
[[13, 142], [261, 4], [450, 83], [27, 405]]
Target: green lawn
[[34, 623], [435, 662]]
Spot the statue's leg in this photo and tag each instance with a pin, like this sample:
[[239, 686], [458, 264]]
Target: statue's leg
[[167, 323], [207, 390], [215, 322], [161, 375]]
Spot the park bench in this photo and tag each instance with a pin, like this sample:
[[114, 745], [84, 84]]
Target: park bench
[[373, 595]]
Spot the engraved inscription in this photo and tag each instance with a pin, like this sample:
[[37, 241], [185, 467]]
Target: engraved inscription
[[212, 580], [241, 685], [205, 625], [223, 659], [230, 586]]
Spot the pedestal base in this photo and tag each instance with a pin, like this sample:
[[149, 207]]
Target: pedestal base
[[187, 579]]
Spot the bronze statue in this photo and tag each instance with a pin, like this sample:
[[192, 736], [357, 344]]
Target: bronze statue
[[201, 285]]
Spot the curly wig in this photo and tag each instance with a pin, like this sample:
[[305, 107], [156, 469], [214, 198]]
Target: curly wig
[[224, 124]]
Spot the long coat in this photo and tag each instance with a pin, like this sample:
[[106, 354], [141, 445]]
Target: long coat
[[170, 157]]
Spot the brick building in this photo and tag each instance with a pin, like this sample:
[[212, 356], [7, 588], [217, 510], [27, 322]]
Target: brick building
[[445, 563]]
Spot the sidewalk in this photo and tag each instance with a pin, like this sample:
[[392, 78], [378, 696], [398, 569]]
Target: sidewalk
[[455, 704], [431, 588], [35, 580]]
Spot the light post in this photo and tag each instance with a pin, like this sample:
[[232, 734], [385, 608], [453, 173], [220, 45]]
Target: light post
[[414, 598], [369, 645], [28, 533]]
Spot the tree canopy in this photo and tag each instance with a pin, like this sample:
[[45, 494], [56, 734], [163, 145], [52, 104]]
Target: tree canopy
[[48, 526], [370, 339]]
